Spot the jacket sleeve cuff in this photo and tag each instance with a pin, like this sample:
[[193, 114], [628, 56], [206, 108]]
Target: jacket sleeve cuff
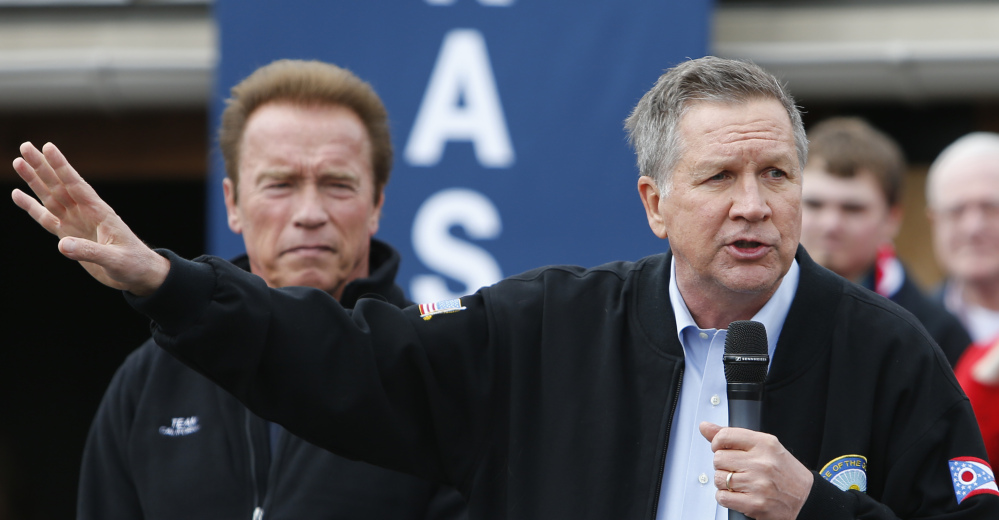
[[826, 501], [183, 298]]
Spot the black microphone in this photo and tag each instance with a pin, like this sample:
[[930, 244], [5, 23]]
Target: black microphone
[[746, 359]]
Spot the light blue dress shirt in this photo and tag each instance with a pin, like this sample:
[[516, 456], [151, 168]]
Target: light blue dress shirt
[[688, 489]]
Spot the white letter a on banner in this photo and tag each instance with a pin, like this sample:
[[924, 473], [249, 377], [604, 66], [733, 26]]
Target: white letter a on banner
[[461, 104]]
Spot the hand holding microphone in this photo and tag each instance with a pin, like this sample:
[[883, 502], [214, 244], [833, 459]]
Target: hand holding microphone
[[755, 475]]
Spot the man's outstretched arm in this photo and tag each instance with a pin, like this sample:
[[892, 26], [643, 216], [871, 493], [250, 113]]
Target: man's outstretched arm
[[90, 232]]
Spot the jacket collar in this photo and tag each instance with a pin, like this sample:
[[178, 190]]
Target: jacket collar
[[382, 268], [807, 329], [655, 314]]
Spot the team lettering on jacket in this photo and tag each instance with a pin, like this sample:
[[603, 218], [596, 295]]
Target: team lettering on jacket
[[180, 426]]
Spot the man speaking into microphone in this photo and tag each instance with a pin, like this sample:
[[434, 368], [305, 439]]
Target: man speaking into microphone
[[571, 393]]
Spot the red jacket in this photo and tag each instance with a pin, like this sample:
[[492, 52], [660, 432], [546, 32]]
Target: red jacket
[[984, 398]]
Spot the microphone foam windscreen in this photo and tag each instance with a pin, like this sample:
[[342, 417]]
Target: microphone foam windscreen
[[746, 354]]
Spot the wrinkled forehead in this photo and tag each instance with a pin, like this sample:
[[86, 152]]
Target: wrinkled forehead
[[731, 129]]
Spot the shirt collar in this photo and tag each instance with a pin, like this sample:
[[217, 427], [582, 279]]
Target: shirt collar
[[772, 315]]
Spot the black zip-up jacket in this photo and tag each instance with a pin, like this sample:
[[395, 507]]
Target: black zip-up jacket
[[550, 394], [167, 443], [943, 326]]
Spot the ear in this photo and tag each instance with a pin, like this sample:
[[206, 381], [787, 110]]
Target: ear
[[651, 199], [893, 221], [231, 210], [376, 214]]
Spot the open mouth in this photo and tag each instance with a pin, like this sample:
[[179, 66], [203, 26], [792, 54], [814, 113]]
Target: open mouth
[[750, 250], [747, 244]]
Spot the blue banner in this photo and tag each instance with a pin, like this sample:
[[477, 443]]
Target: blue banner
[[507, 121]]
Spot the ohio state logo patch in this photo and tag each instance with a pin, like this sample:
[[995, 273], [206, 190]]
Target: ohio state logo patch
[[848, 472]]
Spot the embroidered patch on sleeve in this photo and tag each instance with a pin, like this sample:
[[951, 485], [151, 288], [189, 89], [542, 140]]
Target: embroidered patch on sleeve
[[429, 310], [847, 472], [972, 476]]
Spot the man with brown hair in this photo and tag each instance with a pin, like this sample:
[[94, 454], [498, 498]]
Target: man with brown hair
[[851, 213], [307, 153]]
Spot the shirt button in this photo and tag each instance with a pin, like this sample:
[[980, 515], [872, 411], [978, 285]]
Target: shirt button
[[704, 335], [703, 479], [715, 400]]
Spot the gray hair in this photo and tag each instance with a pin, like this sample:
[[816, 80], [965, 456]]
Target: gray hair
[[652, 125], [975, 144]]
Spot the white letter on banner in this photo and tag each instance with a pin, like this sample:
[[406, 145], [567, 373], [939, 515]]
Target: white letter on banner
[[461, 104], [439, 250]]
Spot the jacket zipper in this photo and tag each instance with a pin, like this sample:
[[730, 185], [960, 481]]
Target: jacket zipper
[[662, 461], [258, 511]]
